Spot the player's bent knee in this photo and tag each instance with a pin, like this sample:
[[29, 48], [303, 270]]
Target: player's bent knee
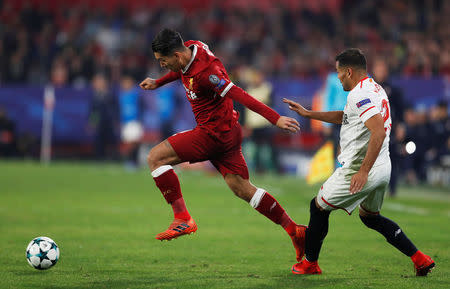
[[238, 191], [154, 159], [240, 187], [365, 213], [370, 220], [151, 161]]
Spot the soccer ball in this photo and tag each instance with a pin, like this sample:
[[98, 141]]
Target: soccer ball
[[42, 253]]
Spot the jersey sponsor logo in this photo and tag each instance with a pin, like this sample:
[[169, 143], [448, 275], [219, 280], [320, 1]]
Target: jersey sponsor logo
[[189, 93], [363, 102], [214, 79]]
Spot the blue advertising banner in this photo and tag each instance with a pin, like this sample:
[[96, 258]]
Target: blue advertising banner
[[24, 105]]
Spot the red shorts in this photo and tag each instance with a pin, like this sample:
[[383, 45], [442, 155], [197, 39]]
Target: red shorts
[[225, 152]]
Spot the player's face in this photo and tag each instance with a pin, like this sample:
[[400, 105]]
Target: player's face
[[171, 62], [344, 74]]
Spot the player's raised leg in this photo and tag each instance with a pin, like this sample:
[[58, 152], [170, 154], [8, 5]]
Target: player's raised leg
[[315, 234], [267, 205], [160, 160], [397, 238]]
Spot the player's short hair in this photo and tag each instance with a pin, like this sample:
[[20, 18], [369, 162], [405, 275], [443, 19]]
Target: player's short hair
[[352, 57], [167, 41]]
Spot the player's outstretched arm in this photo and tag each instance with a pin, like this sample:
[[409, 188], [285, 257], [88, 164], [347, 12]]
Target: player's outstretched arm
[[327, 116], [150, 83], [288, 124]]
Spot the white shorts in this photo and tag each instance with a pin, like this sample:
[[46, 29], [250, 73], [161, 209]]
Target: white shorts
[[335, 192]]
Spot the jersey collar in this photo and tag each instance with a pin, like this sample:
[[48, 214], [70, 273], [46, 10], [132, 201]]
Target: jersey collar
[[362, 80], [194, 53]]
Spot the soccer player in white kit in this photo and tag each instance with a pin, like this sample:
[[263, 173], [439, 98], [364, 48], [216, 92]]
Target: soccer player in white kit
[[365, 165]]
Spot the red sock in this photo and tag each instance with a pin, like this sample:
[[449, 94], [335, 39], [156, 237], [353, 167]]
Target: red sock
[[180, 210], [169, 185], [264, 203]]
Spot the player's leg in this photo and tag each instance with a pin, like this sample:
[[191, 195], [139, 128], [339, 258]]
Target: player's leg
[[334, 194], [397, 238], [317, 230], [369, 213], [260, 200], [188, 146], [160, 160], [315, 234], [268, 206], [231, 164]]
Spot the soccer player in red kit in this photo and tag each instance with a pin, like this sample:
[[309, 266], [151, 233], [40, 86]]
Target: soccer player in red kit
[[217, 136]]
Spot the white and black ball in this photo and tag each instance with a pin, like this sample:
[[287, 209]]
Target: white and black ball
[[42, 253]]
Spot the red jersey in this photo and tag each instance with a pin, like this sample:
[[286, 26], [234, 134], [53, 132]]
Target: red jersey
[[210, 91], [206, 83]]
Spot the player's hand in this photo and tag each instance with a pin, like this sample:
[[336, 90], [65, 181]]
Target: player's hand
[[297, 107], [288, 124], [148, 84], [358, 181]]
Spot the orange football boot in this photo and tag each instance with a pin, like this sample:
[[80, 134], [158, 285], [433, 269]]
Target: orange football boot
[[298, 240], [178, 228], [306, 268]]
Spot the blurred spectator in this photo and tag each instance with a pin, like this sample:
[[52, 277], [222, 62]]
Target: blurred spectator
[[285, 38], [417, 132], [258, 146], [335, 98], [166, 105], [59, 74], [131, 128], [28, 145], [67, 42], [440, 132], [7, 135], [397, 106], [102, 117]]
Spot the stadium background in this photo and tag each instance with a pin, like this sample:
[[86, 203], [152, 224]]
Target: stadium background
[[103, 213], [289, 44]]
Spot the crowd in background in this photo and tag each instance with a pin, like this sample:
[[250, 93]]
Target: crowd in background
[[70, 43]]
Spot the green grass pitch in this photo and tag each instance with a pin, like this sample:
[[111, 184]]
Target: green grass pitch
[[104, 220]]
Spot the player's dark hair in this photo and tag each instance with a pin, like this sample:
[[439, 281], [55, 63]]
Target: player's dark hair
[[352, 57], [167, 41]]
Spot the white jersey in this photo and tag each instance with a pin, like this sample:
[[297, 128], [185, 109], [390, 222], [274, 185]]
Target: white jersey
[[365, 100]]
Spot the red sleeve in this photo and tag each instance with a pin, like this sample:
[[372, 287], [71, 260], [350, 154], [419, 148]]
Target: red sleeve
[[218, 81], [169, 77], [241, 96]]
